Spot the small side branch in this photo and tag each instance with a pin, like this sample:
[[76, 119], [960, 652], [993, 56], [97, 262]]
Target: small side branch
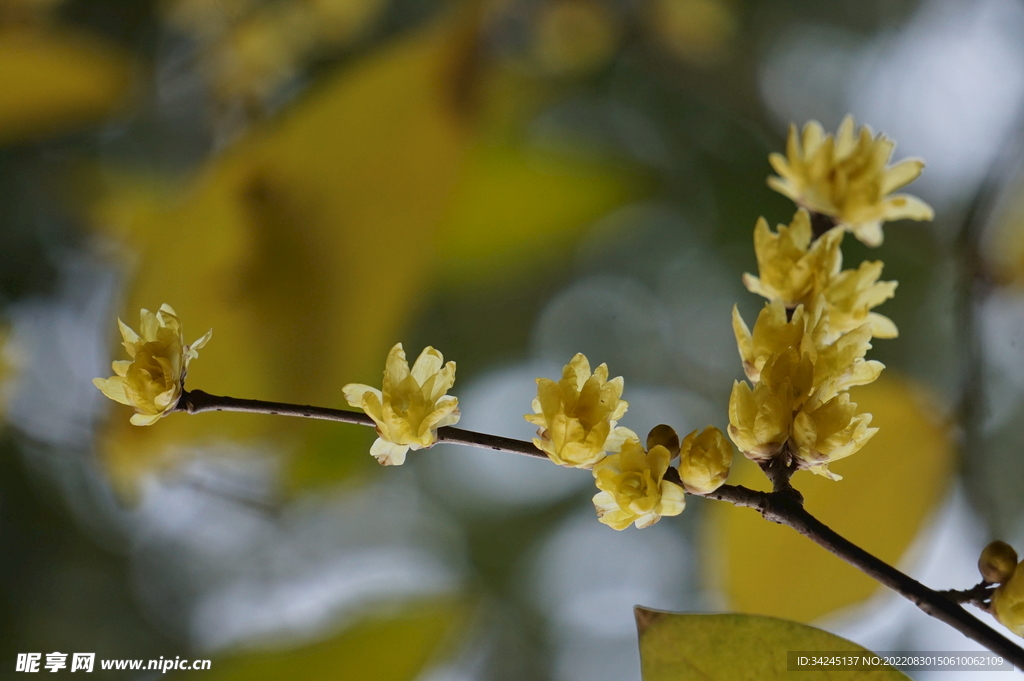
[[980, 595], [944, 606]]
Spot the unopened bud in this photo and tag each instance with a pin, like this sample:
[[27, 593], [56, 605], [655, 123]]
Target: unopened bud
[[665, 436], [997, 562], [704, 460]]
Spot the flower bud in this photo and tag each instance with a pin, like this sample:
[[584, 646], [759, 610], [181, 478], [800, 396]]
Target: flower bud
[[997, 562], [704, 460], [665, 436]]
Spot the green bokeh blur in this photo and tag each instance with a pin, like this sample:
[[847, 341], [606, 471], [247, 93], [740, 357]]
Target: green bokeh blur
[[511, 182]]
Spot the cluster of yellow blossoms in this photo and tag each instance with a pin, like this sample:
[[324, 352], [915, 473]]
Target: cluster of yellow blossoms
[[576, 419], [808, 344], [805, 351]]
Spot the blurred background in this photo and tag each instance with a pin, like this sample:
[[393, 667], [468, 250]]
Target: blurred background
[[510, 181]]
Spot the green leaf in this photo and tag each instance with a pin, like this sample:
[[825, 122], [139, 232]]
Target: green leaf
[[679, 647]]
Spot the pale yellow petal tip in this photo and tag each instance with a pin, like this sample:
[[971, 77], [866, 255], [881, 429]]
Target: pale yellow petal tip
[[144, 419], [389, 453], [202, 340]]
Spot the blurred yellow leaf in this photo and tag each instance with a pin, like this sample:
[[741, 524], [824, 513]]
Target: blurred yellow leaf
[[306, 248], [376, 650], [887, 492], [515, 212], [56, 81], [681, 647]]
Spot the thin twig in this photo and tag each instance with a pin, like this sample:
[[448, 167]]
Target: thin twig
[[979, 595], [198, 401], [783, 506]]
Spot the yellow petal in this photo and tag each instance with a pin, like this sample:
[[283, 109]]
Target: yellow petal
[[388, 453], [673, 499], [869, 233], [201, 341], [901, 174], [427, 364], [396, 368], [354, 393], [144, 419], [113, 388], [905, 206], [882, 326]]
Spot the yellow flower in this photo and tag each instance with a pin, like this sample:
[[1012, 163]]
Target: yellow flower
[[997, 562], [790, 266], [848, 178], [633, 488], [773, 333], [412, 405], [1008, 602], [797, 271], [704, 460], [760, 419], [151, 382], [577, 415], [851, 295], [823, 433], [838, 365]]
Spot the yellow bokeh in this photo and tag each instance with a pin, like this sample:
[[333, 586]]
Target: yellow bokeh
[[894, 482], [56, 81]]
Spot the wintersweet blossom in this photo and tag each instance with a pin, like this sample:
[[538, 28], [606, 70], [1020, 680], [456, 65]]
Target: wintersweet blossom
[[634, 489], [848, 178], [796, 270], [827, 432], [411, 405], [1008, 601], [760, 417], [791, 266], [773, 333], [853, 293], [151, 382], [705, 458], [577, 416], [838, 364]]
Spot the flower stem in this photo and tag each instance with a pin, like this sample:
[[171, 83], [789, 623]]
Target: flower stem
[[979, 595], [781, 506]]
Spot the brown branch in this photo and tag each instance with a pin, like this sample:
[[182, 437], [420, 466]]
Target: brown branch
[[197, 402], [783, 506], [783, 509]]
